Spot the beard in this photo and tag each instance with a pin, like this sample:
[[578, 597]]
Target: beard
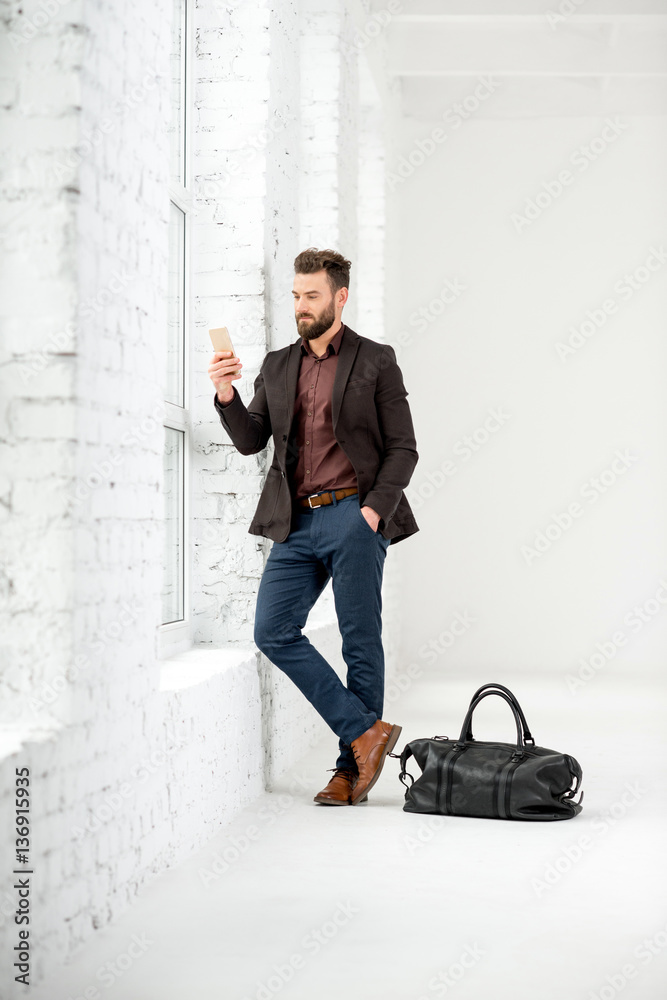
[[310, 329]]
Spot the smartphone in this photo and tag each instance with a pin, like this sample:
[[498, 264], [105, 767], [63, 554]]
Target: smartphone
[[222, 342]]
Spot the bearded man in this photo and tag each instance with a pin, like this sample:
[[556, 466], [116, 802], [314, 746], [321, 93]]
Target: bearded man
[[333, 502]]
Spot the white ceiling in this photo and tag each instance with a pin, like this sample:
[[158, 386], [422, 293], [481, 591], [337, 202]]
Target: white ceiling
[[607, 57]]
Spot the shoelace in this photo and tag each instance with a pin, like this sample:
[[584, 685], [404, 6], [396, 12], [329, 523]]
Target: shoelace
[[357, 755], [344, 773]]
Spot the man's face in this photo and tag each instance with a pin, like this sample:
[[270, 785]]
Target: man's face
[[314, 304]]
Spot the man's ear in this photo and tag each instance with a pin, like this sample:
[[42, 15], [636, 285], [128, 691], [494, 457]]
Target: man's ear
[[342, 295]]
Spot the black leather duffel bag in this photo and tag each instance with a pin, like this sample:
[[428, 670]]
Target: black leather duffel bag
[[469, 777]]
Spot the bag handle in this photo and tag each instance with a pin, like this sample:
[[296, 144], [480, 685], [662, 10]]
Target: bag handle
[[497, 688], [407, 753], [466, 730]]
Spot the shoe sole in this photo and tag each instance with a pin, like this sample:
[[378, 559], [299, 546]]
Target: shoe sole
[[335, 802], [389, 746]]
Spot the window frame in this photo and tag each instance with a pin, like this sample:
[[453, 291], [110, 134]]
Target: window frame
[[175, 637]]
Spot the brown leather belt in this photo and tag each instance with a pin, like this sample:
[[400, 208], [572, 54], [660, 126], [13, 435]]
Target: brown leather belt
[[323, 499]]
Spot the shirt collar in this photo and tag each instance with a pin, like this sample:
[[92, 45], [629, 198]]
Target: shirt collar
[[332, 348]]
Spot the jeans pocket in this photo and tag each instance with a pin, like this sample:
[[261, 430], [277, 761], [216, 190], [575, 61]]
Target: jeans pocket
[[366, 522]]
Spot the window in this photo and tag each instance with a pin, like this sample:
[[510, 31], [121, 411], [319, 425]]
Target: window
[[175, 631]]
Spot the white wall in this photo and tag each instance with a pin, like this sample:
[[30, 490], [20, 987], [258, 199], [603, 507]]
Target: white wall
[[493, 348], [136, 760]]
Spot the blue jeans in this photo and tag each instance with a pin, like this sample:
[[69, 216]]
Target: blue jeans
[[329, 542]]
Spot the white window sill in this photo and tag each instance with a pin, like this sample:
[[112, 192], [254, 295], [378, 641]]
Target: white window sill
[[13, 741], [199, 663]]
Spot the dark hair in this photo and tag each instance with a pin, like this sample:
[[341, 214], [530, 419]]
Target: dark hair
[[337, 268]]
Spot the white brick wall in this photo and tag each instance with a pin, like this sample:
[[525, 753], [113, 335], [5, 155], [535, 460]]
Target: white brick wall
[[122, 746], [37, 421], [232, 111]]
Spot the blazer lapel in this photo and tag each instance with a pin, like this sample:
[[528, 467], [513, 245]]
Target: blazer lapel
[[349, 346], [292, 375]]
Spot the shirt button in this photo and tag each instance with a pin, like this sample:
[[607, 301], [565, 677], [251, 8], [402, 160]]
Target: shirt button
[[308, 472], [307, 442], [310, 412]]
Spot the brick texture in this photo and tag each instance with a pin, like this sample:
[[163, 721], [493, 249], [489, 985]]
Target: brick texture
[[137, 761]]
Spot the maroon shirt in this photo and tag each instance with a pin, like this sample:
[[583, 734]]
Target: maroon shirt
[[321, 464]]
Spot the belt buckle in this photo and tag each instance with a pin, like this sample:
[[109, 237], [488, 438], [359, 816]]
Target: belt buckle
[[310, 498]]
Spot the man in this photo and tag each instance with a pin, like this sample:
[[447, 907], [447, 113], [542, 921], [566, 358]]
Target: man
[[333, 501]]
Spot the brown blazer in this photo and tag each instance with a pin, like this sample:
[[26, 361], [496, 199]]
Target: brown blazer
[[371, 423]]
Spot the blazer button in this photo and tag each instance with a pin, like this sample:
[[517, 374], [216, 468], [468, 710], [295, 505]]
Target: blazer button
[[284, 437]]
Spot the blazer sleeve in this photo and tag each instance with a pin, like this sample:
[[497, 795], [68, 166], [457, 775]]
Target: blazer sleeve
[[248, 427], [400, 447]]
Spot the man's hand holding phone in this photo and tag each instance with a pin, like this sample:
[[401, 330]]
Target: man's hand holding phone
[[223, 369], [225, 366]]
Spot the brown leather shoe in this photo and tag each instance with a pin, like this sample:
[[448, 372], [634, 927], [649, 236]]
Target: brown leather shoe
[[370, 750], [339, 789]]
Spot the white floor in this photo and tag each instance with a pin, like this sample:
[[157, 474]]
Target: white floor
[[320, 903]]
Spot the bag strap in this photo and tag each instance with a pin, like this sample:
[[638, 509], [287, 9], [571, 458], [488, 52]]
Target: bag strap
[[407, 752], [571, 792], [497, 689], [522, 738]]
